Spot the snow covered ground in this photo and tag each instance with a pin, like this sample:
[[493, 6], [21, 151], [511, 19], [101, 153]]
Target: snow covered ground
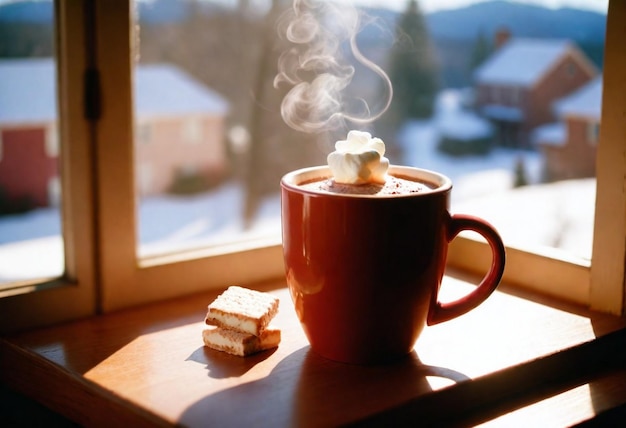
[[551, 215], [556, 215]]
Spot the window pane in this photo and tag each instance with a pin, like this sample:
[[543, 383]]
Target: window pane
[[492, 103], [31, 243], [206, 116], [517, 127]]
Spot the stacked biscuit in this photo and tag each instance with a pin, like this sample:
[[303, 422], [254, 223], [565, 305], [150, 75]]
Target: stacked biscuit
[[239, 320]]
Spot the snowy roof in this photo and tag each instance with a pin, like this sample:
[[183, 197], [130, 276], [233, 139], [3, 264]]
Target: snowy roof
[[586, 101], [464, 126], [163, 89], [552, 134], [28, 91], [28, 88], [521, 61]]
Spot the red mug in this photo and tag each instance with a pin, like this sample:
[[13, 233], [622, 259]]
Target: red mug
[[364, 271]]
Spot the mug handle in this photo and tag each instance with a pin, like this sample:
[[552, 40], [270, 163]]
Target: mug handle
[[441, 312]]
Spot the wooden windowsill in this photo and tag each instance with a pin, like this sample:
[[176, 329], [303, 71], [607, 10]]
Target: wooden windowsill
[[516, 357]]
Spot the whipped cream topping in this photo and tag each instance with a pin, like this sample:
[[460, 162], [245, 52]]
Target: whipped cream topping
[[359, 159]]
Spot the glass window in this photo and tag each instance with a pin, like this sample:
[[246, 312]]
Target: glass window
[[206, 69], [31, 243], [205, 84], [221, 193], [516, 164]]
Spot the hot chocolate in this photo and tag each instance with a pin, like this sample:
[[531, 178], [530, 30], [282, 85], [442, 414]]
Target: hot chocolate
[[364, 271], [393, 186]]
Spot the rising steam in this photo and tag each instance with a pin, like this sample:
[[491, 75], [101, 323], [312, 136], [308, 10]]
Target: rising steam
[[314, 67]]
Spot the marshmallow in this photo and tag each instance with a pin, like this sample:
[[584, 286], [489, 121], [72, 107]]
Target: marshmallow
[[359, 159]]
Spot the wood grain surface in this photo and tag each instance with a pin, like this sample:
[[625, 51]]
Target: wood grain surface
[[147, 366]]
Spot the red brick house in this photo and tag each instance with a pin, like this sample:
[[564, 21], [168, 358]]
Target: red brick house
[[180, 129], [516, 87], [28, 137], [569, 146]]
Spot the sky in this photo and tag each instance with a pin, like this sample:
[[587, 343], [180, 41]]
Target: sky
[[434, 5]]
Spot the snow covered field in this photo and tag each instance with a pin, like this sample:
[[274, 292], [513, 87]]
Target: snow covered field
[[556, 215]]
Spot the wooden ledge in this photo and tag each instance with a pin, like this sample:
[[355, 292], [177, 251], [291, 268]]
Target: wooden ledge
[[514, 358]]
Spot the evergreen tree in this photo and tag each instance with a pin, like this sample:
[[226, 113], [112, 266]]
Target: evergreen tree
[[413, 71], [519, 173], [481, 51]]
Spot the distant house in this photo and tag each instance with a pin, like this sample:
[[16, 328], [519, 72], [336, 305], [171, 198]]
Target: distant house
[[179, 129], [29, 144], [569, 146], [462, 132], [516, 87]]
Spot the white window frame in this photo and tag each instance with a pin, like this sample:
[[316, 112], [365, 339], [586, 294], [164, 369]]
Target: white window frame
[[124, 280]]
